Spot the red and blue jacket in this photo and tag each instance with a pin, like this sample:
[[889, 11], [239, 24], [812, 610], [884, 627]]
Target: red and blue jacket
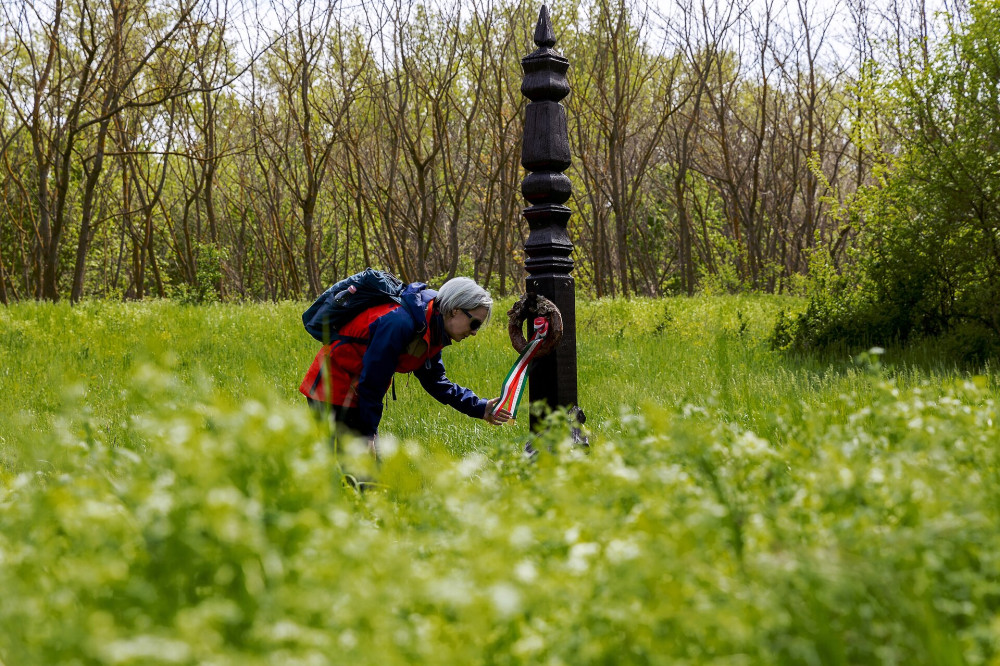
[[356, 369]]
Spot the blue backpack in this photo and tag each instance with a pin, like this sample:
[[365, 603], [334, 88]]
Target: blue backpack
[[347, 299]]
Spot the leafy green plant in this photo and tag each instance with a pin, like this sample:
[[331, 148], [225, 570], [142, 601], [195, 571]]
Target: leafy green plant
[[859, 534], [208, 277], [926, 259], [175, 501]]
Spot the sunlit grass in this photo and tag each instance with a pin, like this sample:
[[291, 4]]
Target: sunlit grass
[[166, 497], [702, 351]]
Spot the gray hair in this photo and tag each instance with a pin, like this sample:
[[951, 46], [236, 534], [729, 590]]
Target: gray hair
[[463, 293]]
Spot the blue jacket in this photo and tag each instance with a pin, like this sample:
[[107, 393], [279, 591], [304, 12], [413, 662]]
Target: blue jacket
[[404, 338]]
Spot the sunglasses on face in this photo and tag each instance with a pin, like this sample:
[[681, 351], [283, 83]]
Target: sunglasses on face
[[474, 323]]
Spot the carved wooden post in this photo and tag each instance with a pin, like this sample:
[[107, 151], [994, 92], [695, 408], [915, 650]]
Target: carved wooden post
[[545, 153]]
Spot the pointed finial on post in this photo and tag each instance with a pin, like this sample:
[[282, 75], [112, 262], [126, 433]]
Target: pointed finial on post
[[545, 37]]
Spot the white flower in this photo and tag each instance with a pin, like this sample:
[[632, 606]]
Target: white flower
[[521, 537], [275, 423], [846, 477], [348, 640], [143, 648], [579, 556], [471, 464], [619, 550], [506, 599], [526, 572]]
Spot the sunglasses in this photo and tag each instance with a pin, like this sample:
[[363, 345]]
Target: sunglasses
[[474, 323]]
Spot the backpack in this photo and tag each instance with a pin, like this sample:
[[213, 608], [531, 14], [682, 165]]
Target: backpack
[[347, 299]]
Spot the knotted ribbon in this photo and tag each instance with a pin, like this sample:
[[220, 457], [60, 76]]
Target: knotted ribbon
[[517, 378]]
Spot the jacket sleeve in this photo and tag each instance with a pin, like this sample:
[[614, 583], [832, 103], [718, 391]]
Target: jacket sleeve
[[432, 378], [388, 336]]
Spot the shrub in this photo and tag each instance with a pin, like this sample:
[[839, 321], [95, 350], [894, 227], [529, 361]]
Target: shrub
[[928, 258], [860, 532]]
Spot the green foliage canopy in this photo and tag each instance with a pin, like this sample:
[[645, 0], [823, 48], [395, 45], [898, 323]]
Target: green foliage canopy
[[928, 256]]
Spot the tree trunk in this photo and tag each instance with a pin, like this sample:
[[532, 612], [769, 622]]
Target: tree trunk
[[87, 214]]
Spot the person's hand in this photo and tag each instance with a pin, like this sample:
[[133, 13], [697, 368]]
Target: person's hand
[[372, 448], [500, 417]]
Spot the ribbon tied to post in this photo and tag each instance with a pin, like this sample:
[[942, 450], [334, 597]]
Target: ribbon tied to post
[[547, 331], [517, 378]]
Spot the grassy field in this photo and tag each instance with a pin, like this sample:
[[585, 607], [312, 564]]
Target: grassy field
[[165, 497]]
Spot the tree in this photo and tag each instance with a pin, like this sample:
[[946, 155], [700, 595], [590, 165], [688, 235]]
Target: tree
[[73, 69], [623, 98], [929, 250], [504, 33], [297, 118]]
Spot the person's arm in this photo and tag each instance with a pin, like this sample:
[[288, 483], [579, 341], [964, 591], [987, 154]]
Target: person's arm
[[388, 337], [432, 378]]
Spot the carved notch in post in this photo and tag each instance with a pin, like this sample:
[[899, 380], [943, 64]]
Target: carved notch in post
[[545, 154]]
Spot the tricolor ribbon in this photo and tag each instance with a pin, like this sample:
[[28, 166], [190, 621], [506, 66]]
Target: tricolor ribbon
[[517, 378]]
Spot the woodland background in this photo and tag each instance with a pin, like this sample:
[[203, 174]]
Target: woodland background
[[207, 149]]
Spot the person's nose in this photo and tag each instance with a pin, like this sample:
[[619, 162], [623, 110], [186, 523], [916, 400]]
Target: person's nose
[[473, 331]]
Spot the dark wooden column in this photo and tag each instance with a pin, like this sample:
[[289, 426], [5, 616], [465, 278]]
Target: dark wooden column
[[545, 154]]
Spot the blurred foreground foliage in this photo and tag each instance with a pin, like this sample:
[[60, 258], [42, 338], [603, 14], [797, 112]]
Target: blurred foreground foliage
[[859, 532]]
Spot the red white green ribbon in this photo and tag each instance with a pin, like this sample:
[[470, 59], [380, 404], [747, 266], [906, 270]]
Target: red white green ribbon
[[517, 378]]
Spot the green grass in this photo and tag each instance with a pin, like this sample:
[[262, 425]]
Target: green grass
[[166, 497], [710, 351]]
